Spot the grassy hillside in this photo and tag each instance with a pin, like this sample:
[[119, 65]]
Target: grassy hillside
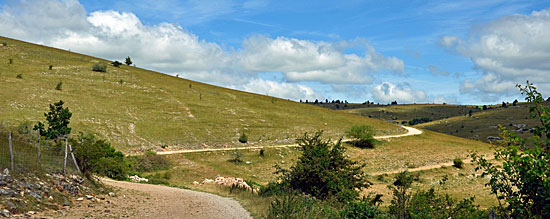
[[408, 112], [485, 123], [135, 108]]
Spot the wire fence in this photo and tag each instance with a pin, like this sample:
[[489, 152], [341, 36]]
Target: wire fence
[[27, 153]]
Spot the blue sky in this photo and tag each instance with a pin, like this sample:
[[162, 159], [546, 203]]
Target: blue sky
[[469, 52]]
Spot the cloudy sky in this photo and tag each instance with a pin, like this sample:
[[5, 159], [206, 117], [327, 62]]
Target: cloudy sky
[[469, 52]]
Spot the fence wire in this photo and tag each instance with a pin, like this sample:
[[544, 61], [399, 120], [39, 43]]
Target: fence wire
[[25, 154]]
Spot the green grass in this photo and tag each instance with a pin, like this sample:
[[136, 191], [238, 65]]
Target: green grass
[[151, 109]]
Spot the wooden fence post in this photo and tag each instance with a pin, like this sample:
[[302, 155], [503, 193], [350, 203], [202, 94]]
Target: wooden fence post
[[39, 155], [65, 160], [75, 164], [11, 152]]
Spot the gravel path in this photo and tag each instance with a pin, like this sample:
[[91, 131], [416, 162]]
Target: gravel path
[[181, 203], [136, 200], [410, 131]]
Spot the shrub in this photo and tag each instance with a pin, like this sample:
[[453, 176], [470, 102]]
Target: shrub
[[25, 127], [11, 61], [99, 68], [237, 157], [458, 163], [150, 161], [243, 138], [59, 86], [520, 178], [262, 151], [430, 204], [99, 157], [4, 44], [323, 170], [116, 64], [364, 136], [50, 67], [359, 210], [19, 76], [160, 178], [300, 206]]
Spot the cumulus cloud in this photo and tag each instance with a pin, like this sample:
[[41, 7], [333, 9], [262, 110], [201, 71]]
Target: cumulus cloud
[[277, 89], [507, 51], [402, 93], [302, 60], [169, 48]]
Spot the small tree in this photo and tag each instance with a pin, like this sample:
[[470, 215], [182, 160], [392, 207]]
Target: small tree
[[324, 171], [59, 86], [401, 197], [128, 61], [243, 138], [364, 136], [58, 122], [458, 163]]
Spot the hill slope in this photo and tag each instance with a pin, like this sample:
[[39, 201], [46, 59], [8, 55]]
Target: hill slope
[[136, 108]]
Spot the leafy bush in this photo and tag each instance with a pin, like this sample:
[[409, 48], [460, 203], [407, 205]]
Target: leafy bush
[[521, 178], [300, 206], [116, 64], [243, 138], [59, 86], [19, 76], [430, 204], [98, 156], [361, 209], [364, 136], [148, 162], [128, 60], [458, 163], [99, 67], [323, 171]]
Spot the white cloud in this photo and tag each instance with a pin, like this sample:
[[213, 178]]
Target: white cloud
[[449, 41], [402, 93], [507, 51], [281, 90], [302, 60], [170, 48]]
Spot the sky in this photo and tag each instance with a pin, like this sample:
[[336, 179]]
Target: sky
[[465, 52]]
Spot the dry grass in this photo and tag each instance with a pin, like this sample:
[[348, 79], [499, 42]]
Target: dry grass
[[150, 109]]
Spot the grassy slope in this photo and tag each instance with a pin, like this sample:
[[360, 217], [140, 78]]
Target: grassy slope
[[132, 107], [484, 123], [407, 112]]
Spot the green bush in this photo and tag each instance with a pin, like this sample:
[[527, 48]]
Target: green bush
[[363, 136], [458, 163], [99, 157], [323, 171], [358, 210], [99, 67], [301, 206], [50, 67], [243, 138], [25, 127], [148, 162], [430, 204], [237, 157], [19, 76], [160, 178], [116, 64], [59, 86]]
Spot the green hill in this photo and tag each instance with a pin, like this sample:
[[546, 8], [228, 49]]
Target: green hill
[[135, 108], [484, 124]]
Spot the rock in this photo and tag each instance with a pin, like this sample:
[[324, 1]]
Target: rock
[[112, 194], [195, 183], [6, 172], [107, 211], [89, 197], [5, 213], [248, 162], [80, 199], [282, 161], [136, 178]]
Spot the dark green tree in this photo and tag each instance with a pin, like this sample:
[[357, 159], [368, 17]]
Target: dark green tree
[[58, 119], [324, 171], [128, 61], [521, 178]]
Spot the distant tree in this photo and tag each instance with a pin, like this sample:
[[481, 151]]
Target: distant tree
[[300, 100], [11, 61], [50, 67], [470, 113], [243, 138], [504, 104], [326, 100], [548, 99], [128, 61], [484, 107], [307, 101], [59, 86], [316, 101], [394, 103], [58, 120], [515, 103], [19, 76]]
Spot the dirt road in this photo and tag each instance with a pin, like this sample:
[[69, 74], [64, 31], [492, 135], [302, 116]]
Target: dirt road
[[410, 131], [136, 200]]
